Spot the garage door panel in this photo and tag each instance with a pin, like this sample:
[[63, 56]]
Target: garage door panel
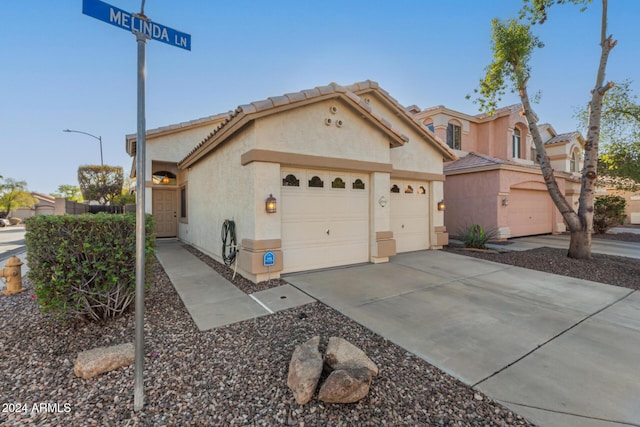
[[410, 215], [530, 212], [324, 227]]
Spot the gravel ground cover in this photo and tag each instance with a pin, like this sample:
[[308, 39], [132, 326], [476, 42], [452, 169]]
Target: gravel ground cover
[[236, 375], [230, 376], [612, 270]]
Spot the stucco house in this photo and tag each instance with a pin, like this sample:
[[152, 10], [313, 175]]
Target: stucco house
[[355, 177], [496, 181], [45, 205]]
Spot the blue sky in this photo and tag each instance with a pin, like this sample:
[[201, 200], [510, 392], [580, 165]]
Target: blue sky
[[61, 69]]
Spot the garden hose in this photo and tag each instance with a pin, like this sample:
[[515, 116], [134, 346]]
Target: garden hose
[[229, 245]]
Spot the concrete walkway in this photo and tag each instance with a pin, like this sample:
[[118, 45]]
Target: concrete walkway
[[560, 351], [213, 301]]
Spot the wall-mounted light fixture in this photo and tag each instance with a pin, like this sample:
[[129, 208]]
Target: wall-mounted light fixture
[[270, 204], [382, 201], [505, 201], [441, 205], [165, 179]]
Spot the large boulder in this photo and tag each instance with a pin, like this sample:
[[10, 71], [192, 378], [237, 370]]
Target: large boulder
[[341, 354], [305, 369], [99, 360], [346, 385]]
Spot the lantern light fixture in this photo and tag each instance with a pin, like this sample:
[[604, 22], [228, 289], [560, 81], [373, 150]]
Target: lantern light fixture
[[270, 204], [441, 205]]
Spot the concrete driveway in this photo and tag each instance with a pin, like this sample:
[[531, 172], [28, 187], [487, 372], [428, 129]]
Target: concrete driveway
[[557, 350]]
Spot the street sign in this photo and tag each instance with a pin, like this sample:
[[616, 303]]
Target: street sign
[[133, 22], [269, 259]]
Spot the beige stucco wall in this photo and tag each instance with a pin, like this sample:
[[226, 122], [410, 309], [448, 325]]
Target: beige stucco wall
[[171, 147], [303, 131], [219, 188]]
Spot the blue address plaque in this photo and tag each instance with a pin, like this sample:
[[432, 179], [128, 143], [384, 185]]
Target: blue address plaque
[[269, 259]]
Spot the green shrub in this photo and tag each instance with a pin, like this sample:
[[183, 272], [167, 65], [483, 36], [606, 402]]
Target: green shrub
[[608, 212], [476, 237], [84, 265]]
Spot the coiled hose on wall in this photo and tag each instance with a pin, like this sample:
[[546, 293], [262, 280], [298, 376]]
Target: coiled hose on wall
[[229, 245]]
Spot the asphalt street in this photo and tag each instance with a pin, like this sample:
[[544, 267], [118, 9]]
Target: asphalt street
[[11, 241]]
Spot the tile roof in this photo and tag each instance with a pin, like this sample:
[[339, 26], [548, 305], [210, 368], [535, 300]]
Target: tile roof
[[368, 85], [513, 108], [273, 103], [563, 137], [131, 138], [475, 160]]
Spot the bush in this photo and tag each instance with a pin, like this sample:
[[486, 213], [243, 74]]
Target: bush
[[476, 237], [15, 221], [84, 265], [609, 211]]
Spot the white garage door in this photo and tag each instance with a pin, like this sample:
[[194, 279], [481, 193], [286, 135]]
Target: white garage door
[[529, 212], [410, 215], [325, 219]]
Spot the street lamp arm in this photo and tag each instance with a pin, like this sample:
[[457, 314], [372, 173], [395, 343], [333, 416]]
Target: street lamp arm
[[99, 138], [85, 133]]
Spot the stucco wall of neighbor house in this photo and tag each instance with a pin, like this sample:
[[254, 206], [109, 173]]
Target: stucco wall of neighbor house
[[219, 189], [471, 199], [510, 180]]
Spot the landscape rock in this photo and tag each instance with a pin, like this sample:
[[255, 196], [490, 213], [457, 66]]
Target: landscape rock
[[341, 354], [305, 369], [99, 360], [346, 385]]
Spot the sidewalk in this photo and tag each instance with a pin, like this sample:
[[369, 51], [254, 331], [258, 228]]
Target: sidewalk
[[213, 301]]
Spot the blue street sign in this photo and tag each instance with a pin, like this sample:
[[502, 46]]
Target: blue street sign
[[129, 21], [269, 259]]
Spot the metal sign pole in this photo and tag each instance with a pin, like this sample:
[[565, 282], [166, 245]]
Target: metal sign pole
[[144, 29], [138, 394]]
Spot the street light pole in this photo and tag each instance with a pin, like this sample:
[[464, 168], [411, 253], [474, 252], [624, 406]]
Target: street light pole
[[99, 138]]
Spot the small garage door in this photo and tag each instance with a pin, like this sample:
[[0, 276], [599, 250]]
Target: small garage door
[[410, 215], [529, 212], [325, 219]]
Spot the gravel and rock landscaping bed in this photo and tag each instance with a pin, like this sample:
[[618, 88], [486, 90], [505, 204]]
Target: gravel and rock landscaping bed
[[612, 270], [234, 375], [237, 375]]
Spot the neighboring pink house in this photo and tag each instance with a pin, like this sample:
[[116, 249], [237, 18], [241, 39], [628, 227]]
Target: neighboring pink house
[[496, 182]]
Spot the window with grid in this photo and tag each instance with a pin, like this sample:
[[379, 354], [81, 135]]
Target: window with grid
[[454, 136]]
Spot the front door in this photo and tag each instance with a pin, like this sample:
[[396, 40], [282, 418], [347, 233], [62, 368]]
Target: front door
[[165, 212]]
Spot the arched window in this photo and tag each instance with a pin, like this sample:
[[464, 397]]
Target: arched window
[[164, 178], [454, 136], [358, 184], [515, 143], [408, 190], [395, 189], [291, 181], [421, 190], [316, 182], [429, 125], [575, 161], [338, 183]]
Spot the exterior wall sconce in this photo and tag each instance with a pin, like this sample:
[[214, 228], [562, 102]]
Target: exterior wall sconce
[[505, 201], [382, 201], [441, 205], [270, 204], [165, 180]]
